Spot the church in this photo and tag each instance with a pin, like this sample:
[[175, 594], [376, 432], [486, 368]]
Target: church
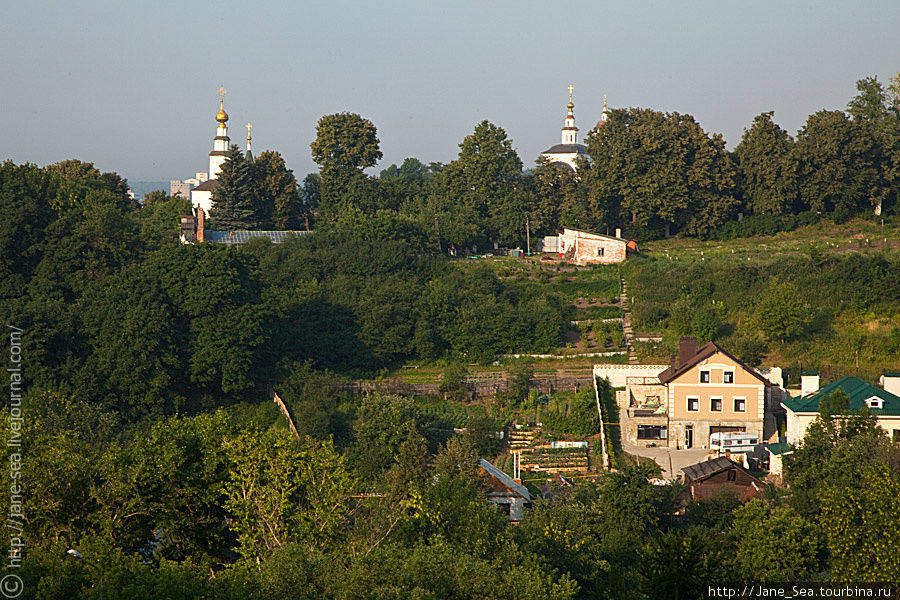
[[568, 150]]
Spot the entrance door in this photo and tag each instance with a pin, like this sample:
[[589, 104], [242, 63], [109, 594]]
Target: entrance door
[[688, 436]]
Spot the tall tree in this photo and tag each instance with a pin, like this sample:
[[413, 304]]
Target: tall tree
[[234, 198], [768, 174], [345, 144], [840, 165], [663, 170], [277, 193]]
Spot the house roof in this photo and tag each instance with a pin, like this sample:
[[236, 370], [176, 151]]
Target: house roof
[[708, 350], [566, 149], [856, 389], [590, 235], [505, 479], [708, 468], [207, 186], [779, 448], [239, 237]]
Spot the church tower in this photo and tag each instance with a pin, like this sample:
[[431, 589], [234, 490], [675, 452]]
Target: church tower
[[604, 117], [569, 131], [221, 142]]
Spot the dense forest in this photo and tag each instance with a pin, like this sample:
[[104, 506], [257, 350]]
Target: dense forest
[[155, 465]]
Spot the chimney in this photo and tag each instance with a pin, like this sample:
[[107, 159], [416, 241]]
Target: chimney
[[687, 348], [200, 218], [809, 382], [890, 382], [618, 233]]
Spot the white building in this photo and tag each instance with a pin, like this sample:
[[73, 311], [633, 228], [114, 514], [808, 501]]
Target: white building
[[568, 150], [201, 195]]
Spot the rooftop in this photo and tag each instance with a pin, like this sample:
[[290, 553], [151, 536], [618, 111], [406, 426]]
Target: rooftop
[[856, 389], [239, 237]]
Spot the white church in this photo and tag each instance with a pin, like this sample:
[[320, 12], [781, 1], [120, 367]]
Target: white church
[[568, 150], [200, 187]]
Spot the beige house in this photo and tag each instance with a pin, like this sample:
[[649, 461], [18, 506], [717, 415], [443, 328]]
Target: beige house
[[705, 391]]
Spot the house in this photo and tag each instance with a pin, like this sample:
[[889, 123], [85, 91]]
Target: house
[[504, 491], [709, 478], [584, 248], [703, 391], [883, 404]]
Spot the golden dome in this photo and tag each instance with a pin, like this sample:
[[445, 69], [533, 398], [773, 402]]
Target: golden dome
[[221, 116], [570, 106]]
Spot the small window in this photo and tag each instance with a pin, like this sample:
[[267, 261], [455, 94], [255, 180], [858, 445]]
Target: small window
[[599, 251], [715, 404], [693, 404], [704, 376], [740, 405], [732, 475], [874, 402], [728, 377]]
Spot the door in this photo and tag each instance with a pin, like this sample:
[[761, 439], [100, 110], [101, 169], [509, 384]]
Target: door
[[688, 436]]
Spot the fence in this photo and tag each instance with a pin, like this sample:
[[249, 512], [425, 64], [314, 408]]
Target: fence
[[479, 388]]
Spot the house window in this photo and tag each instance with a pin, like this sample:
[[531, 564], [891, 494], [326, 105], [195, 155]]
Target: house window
[[599, 251], [874, 402], [651, 432], [693, 404], [728, 377], [740, 405], [704, 376], [715, 404], [732, 475]]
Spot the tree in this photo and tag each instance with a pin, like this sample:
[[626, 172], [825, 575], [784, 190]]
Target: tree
[[781, 311], [520, 379], [663, 170], [871, 103], [346, 144], [234, 199], [768, 175], [840, 165], [453, 380], [277, 193], [281, 491]]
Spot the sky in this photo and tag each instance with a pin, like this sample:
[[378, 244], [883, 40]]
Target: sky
[[132, 86]]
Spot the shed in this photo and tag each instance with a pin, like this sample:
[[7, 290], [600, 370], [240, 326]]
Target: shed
[[506, 492], [708, 478]]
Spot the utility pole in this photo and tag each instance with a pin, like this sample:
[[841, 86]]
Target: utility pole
[[528, 233]]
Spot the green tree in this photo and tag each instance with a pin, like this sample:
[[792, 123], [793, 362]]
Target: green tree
[[781, 311], [346, 144], [663, 170], [234, 197], [277, 192], [768, 175], [774, 544], [281, 491], [453, 380]]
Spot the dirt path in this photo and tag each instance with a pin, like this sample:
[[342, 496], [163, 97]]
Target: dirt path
[[626, 323]]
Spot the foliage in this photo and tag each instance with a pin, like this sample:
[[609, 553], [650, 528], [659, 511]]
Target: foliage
[[235, 198]]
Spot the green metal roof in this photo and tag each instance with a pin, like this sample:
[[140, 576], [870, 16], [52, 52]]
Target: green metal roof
[[891, 374], [779, 448], [856, 389], [809, 373]]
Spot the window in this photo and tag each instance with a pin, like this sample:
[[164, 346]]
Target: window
[[728, 377], [896, 435], [732, 475], [740, 405], [651, 432], [715, 404], [599, 251], [874, 402], [704, 376], [693, 404]]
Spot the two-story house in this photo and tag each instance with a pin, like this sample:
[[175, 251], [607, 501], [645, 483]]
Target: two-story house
[[707, 390]]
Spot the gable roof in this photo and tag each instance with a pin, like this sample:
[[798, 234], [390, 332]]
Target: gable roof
[[505, 479], [709, 349], [856, 389], [708, 468]]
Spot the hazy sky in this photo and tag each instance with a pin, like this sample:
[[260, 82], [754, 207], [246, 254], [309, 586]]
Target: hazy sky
[[131, 86]]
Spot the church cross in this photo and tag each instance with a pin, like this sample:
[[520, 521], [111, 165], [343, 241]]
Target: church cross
[[571, 87], [221, 94]]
